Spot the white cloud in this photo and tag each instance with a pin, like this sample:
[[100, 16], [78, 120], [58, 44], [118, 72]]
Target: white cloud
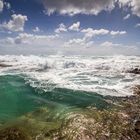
[[127, 17], [123, 3], [78, 42], [109, 44], [134, 5], [89, 32], [75, 26], [81, 46], [61, 28], [8, 5], [7, 41], [29, 43], [1, 5], [115, 48], [32, 39], [16, 23], [88, 7], [117, 32], [73, 7], [137, 25], [74, 42], [119, 48], [25, 38], [36, 29]]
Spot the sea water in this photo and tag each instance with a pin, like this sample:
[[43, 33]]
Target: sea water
[[63, 83]]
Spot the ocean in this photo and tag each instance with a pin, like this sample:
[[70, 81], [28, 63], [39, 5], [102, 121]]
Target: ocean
[[62, 84]]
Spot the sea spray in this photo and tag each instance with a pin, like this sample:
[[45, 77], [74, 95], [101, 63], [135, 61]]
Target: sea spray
[[104, 75]]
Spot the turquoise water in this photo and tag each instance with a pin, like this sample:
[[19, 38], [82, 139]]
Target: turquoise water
[[15, 97], [18, 98]]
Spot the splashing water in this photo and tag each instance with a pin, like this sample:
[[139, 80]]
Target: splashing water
[[103, 75]]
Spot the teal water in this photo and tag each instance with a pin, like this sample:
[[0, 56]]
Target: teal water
[[18, 98], [15, 97]]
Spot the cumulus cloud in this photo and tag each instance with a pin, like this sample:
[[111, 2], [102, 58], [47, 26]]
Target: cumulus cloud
[[8, 5], [4, 4], [25, 38], [137, 25], [109, 44], [1, 5], [73, 7], [75, 26], [105, 48], [36, 29], [31, 39], [69, 45], [108, 47], [127, 17], [16, 23], [123, 3], [88, 7], [117, 32], [89, 32], [7, 41], [134, 5], [76, 42], [61, 28], [120, 47]]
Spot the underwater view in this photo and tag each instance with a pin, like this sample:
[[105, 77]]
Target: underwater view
[[60, 97]]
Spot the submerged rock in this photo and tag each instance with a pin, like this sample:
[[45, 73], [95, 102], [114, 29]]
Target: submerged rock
[[135, 71], [13, 133], [39, 124], [93, 124], [137, 90], [137, 127], [5, 65]]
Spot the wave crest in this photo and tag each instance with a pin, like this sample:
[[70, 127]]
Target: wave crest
[[104, 75]]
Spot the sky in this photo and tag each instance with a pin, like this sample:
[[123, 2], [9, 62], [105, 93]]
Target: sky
[[80, 27]]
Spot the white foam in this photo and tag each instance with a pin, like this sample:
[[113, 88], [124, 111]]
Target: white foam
[[104, 75]]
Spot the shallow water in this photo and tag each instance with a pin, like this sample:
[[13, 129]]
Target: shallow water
[[18, 98]]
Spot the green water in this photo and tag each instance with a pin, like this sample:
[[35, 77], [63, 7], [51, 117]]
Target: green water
[[18, 98], [15, 97]]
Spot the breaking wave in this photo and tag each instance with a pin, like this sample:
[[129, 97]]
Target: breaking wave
[[104, 75]]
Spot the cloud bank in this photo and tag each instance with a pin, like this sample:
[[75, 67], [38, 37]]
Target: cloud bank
[[72, 7], [88, 7]]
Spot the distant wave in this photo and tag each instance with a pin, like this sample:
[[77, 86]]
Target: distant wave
[[103, 75]]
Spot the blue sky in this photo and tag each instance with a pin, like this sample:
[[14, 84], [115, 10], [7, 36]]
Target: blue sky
[[74, 27]]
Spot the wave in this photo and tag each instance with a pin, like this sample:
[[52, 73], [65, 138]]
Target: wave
[[103, 75]]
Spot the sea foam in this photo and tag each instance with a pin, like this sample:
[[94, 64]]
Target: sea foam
[[105, 75]]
